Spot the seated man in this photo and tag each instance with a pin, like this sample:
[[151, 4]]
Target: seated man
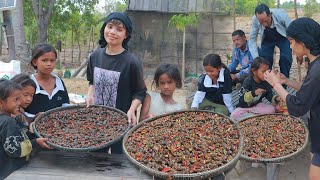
[[241, 55]]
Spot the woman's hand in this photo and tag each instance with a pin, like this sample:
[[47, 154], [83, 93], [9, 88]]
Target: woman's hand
[[89, 97], [282, 78], [42, 143], [89, 100], [132, 117], [271, 77]]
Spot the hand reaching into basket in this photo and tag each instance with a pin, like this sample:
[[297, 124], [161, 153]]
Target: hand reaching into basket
[[89, 99], [42, 143], [132, 117]]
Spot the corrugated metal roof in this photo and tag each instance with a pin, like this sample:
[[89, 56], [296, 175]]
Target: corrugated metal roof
[[178, 6]]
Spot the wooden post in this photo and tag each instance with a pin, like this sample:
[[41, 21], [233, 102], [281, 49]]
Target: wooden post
[[296, 16], [273, 170], [183, 70]]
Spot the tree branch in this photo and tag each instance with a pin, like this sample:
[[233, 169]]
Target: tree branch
[[35, 8], [49, 11]]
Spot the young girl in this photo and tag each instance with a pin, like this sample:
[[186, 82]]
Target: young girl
[[167, 78], [27, 93], [15, 145], [254, 88], [50, 89], [304, 37], [214, 87], [114, 74]]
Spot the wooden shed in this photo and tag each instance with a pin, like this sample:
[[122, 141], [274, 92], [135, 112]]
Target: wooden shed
[[155, 42]]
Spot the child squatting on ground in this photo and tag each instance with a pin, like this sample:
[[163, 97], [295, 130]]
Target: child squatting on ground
[[253, 89], [167, 78], [214, 87], [15, 144]]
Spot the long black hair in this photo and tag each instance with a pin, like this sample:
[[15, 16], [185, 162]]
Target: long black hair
[[307, 31], [213, 60], [116, 18]]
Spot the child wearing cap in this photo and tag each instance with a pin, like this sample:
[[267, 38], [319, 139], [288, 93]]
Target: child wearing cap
[[115, 75]]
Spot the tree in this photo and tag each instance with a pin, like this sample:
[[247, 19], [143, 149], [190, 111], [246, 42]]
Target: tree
[[181, 22], [291, 5], [311, 8], [21, 47], [295, 9], [43, 11], [7, 22], [245, 7]]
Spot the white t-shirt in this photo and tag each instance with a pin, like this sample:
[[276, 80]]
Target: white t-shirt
[[159, 107]]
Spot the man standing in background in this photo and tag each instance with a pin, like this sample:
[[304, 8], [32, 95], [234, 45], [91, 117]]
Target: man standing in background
[[272, 25]]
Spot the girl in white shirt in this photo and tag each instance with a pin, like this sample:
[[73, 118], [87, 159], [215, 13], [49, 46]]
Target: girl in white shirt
[[214, 87], [167, 78]]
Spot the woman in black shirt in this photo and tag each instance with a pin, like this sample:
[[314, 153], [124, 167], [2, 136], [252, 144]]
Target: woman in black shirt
[[115, 75], [304, 37]]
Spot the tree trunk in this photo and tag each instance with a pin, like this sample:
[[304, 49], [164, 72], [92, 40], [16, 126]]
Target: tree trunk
[[212, 31], [43, 14], [1, 39], [295, 9], [183, 69], [278, 4], [197, 51], [234, 14], [65, 45], [22, 51], [42, 32], [72, 47], [9, 34], [91, 32], [93, 41], [79, 47]]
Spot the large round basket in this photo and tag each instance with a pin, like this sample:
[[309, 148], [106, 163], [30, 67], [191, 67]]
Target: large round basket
[[277, 159], [105, 144], [200, 175]]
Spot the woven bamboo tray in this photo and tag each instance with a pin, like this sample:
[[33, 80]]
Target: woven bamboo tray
[[279, 159], [87, 149], [195, 176]]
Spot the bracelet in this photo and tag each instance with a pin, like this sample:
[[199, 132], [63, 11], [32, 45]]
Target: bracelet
[[131, 109], [274, 84]]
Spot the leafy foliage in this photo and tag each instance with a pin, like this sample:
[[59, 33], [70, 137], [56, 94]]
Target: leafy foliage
[[181, 21], [78, 15], [290, 5], [311, 8], [245, 7]]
